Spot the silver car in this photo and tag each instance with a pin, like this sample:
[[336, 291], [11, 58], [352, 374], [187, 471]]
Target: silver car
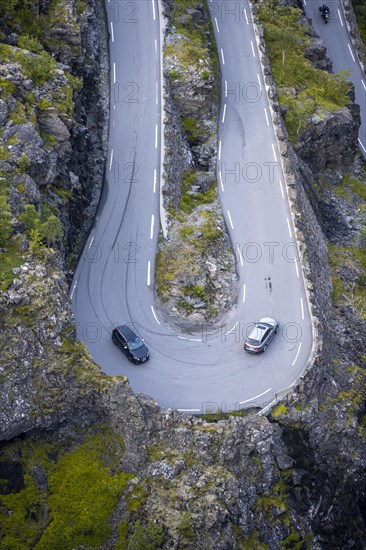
[[261, 335]]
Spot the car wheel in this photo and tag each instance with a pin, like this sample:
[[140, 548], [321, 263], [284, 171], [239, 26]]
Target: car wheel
[[114, 340], [264, 348]]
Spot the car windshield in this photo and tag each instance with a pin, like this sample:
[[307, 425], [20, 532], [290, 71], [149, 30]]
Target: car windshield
[[253, 342], [135, 343]]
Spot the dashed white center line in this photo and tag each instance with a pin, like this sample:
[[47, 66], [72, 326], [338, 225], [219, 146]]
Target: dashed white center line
[[255, 397], [259, 82], [153, 7], [152, 226], [232, 329], [340, 17], [148, 273], [302, 309], [111, 161], [154, 189], [222, 56], [351, 52], [283, 196], [253, 50], [220, 149], [230, 220], [223, 114], [240, 255], [246, 17], [222, 185], [297, 355], [112, 32], [296, 266], [362, 145], [274, 153], [156, 136], [91, 242], [289, 227], [266, 115], [114, 73], [244, 290], [73, 288], [363, 84], [217, 26], [153, 312]]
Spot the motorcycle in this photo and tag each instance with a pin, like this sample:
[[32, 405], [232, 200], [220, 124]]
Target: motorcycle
[[324, 13]]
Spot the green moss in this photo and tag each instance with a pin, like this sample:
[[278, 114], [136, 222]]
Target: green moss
[[189, 201], [149, 537], [122, 530], [185, 528], [7, 88], [353, 295], [279, 410], [137, 497], [10, 257], [303, 90], [356, 185], [38, 67]]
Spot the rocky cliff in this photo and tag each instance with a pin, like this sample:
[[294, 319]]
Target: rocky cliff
[[84, 462]]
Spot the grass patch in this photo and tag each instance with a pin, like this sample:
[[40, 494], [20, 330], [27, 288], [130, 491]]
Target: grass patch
[[189, 200], [302, 90], [10, 257], [279, 410], [352, 294]]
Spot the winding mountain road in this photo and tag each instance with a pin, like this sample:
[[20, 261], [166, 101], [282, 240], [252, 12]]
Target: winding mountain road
[[206, 370]]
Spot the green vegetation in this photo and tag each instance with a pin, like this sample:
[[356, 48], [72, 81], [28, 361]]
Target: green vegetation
[[5, 221], [39, 67], [220, 415], [354, 398], [189, 200], [74, 507], [279, 410], [149, 537], [43, 231], [360, 10], [303, 91], [351, 183]]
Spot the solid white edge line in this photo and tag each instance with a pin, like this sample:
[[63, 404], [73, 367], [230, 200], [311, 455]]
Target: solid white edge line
[[148, 273], [297, 269], [112, 32], [152, 226], [259, 82], [351, 52], [222, 185], [154, 188], [253, 51], [362, 145], [289, 227], [274, 152], [240, 256], [153, 312], [244, 288], [363, 84], [283, 196], [111, 161], [91, 242], [302, 309], [231, 330], [297, 355], [220, 149], [340, 17], [156, 136], [217, 26], [153, 7], [265, 112], [114, 73], [255, 397], [73, 288], [223, 114], [230, 220], [246, 16], [222, 56]]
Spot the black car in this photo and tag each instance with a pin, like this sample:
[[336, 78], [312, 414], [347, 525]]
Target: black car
[[261, 335], [132, 345]]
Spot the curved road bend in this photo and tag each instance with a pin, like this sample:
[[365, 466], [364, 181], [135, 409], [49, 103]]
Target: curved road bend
[[114, 281], [340, 50]]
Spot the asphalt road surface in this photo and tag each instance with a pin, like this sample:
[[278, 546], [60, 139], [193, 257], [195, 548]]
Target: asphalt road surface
[[207, 369]]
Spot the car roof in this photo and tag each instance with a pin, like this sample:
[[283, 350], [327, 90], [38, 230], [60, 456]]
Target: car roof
[[268, 321], [126, 332]]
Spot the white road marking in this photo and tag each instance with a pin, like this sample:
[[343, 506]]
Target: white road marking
[[148, 273], [222, 185], [189, 410], [259, 81], [156, 136], [283, 196], [297, 355], [302, 309], [220, 149], [340, 17], [91, 242], [153, 7], [73, 288], [154, 189], [231, 330], [217, 26], [152, 226], [289, 227], [255, 397], [265, 112], [244, 293], [114, 73], [153, 312], [297, 269], [195, 339], [351, 52], [363, 84], [222, 56], [230, 220], [240, 256], [112, 33], [182, 337], [111, 161], [274, 153], [246, 16], [223, 114], [253, 51], [225, 88], [362, 145]]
